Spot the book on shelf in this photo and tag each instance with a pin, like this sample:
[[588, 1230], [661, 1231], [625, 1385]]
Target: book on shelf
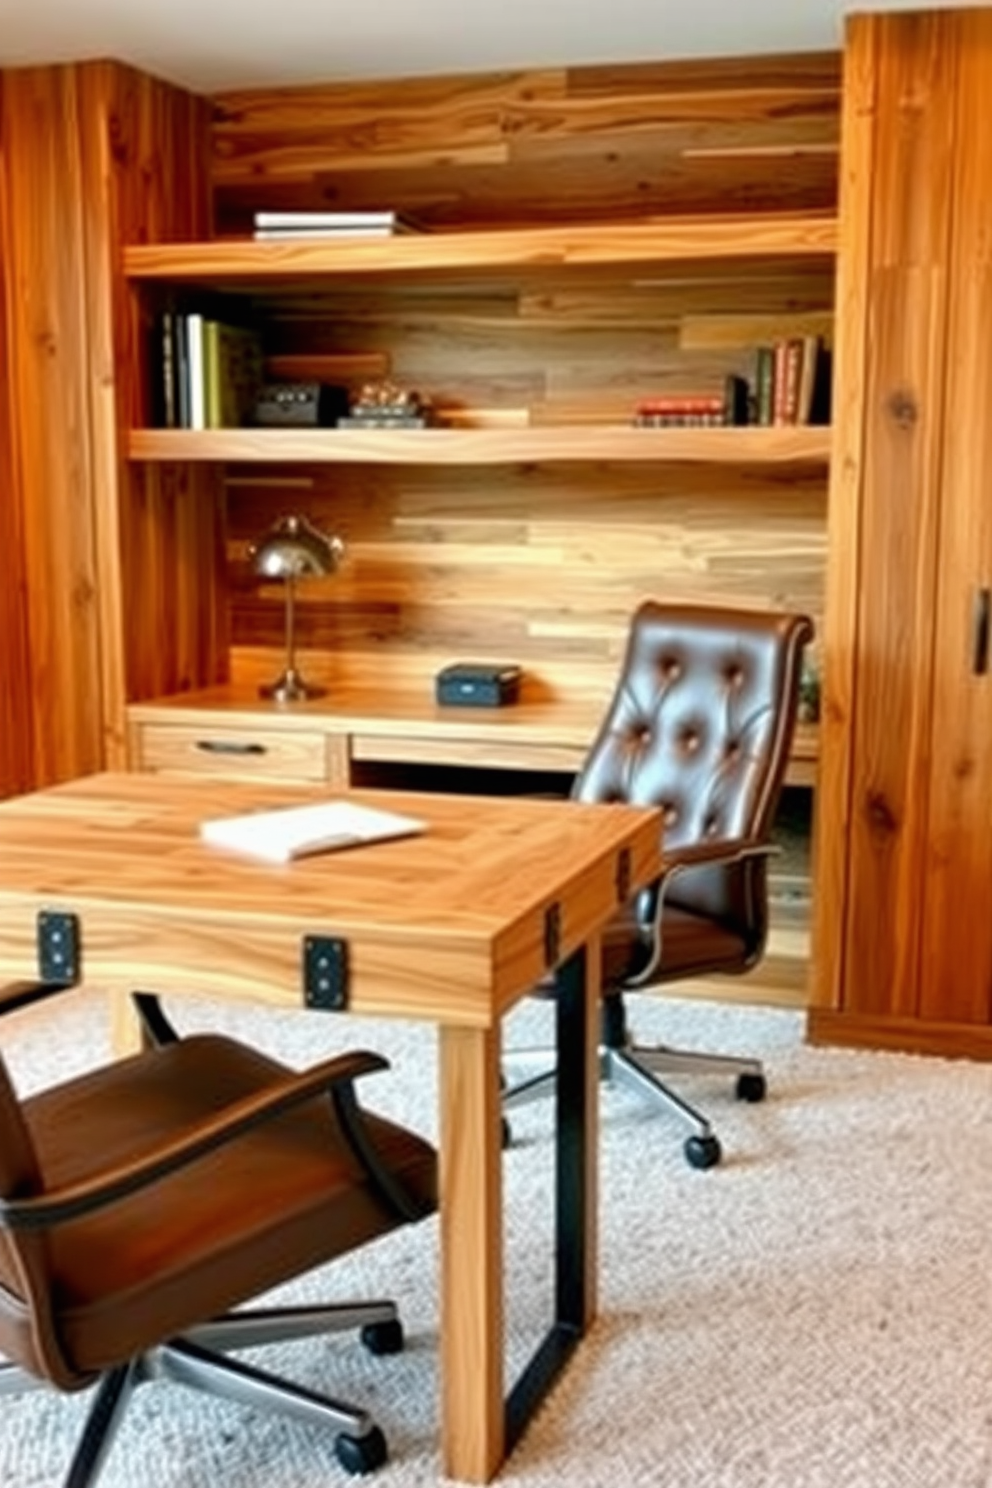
[[211, 371], [792, 381], [290, 832], [288, 226], [705, 410], [232, 361]]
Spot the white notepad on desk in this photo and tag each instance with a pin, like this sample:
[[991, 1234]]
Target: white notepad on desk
[[298, 831]]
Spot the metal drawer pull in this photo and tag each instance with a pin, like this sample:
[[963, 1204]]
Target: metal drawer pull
[[229, 746], [980, 633]]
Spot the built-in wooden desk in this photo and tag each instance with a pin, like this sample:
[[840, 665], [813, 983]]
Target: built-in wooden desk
[[453, 926], [230, 731]]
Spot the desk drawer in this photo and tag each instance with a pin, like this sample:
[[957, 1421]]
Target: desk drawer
[[251, 754], [491, 754]]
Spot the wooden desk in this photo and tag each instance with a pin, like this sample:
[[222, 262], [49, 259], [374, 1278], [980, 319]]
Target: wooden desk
[[229, 732], [453, 926]]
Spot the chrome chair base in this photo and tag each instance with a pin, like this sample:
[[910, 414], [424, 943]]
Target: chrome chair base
[[199, 1359], [640, 1068]]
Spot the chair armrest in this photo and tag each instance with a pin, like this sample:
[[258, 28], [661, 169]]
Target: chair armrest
[[713, 852], [716, 851], [55, 1207]]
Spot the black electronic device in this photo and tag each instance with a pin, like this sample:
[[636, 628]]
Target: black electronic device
[[300, 405], [477, 684]]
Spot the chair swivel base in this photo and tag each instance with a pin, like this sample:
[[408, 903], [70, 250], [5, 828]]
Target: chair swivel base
[[198, 1358], [640, 1068]]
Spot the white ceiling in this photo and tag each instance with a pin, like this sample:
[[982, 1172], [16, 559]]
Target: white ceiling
[[214, 44]]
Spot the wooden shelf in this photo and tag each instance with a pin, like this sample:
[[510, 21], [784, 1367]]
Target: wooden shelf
[[652, 245], [738, 446]]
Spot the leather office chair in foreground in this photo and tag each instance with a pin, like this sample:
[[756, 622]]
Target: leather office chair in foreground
[[141, 1201], [701, 724]]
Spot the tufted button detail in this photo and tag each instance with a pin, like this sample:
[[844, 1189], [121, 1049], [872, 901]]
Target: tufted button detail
[[733, 749], [671, 668], [711, 826], [735, 675], [691, 741], [669, 813]]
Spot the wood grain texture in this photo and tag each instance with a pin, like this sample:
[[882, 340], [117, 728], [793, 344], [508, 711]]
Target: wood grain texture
[[956, 932], [585, 143], [844, 554], [162, 530], [447, 926], [904, 819], [94, 156], [786, 447], [669, 240], [471, 1285], [51, 451], [16, 711]]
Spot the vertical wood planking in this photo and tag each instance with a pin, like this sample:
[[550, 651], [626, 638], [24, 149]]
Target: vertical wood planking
[[16, 714], [161, 531], [97, 155], [51, 450], [844, 558], [956, 961]]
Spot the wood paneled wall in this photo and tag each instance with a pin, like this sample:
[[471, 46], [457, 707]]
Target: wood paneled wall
[[94, 155], [568, 144], [16, 713], [540, 565], [51, 451]]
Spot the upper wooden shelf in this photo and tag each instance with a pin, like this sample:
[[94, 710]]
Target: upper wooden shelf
[[653, 242], [747, 445]]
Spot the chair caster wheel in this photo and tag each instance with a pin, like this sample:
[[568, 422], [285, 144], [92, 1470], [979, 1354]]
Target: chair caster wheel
[[702, 1152], [361, 1454], [383, 1338], [751, 1088]]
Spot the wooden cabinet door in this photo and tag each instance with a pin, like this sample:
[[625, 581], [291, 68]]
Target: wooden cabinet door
[[955, 984]]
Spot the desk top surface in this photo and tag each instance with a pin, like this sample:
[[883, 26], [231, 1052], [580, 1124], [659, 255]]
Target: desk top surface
[[465, 902]]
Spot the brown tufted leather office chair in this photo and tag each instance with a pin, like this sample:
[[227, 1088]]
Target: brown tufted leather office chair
[[141, 1201], [701, 723]]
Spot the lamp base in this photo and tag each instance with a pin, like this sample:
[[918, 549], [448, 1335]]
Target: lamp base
[[290, 688]]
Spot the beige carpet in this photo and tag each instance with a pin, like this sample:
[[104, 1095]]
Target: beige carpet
[[816, 1313]]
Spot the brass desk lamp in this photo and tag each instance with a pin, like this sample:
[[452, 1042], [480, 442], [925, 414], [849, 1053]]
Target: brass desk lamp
[[294, 549]]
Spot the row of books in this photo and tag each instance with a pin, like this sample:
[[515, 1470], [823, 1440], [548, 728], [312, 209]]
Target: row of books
[[792, 382], [211, 371], [300, 226], [698, 410]]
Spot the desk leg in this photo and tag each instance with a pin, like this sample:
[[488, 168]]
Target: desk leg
[[471, 1254], [125, 1026]]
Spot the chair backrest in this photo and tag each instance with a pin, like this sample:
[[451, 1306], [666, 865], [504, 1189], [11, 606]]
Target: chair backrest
[[701, 724]]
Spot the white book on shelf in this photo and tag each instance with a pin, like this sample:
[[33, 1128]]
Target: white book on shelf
[[383, 219], [196, 371], [298, 831], [319, 234]]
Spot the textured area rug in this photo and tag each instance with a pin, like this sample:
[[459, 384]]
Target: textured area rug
[[814, 1313]]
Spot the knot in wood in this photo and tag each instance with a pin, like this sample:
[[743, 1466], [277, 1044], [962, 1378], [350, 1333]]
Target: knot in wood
[[903, 409]]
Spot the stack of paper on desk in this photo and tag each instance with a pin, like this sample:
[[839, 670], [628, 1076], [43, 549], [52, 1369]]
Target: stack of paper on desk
[[295, 831]]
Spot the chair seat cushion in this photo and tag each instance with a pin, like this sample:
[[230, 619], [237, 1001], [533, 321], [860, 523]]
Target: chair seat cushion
[[238, 1221]]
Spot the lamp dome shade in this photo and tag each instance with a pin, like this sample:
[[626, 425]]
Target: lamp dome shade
[[295, 549]]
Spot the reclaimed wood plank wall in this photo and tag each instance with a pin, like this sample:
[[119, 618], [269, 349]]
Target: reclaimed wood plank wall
[[541, 565], [16, 717]]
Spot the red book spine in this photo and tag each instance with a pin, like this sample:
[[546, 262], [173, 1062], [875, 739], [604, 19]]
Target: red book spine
[[678, 403]]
